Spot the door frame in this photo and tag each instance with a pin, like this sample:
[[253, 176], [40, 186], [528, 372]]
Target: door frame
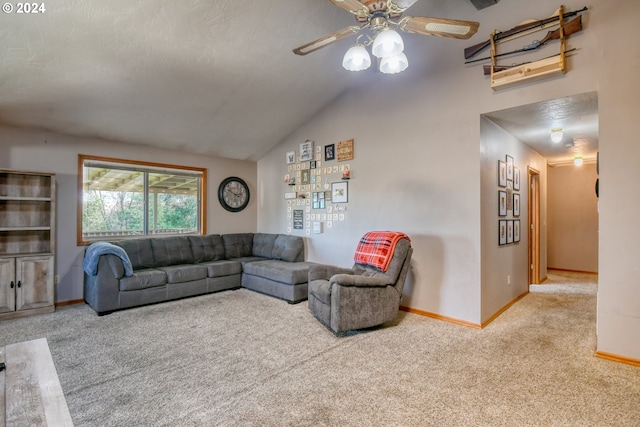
[[533, 224]]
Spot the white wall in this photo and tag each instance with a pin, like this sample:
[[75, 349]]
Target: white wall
[[417, 165], [46, 151], [573, 218]]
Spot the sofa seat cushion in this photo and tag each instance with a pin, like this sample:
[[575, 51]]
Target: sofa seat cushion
[[248, 259], [291, 273], [142, 279], [184, 273], [222, 268], [321, 290]]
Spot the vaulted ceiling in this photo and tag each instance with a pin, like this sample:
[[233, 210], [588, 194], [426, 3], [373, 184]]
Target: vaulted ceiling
[[204, 76]]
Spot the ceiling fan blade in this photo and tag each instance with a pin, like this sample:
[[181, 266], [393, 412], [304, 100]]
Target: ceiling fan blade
[[438, 27], [403, 4], [326, 40], [353, 6]]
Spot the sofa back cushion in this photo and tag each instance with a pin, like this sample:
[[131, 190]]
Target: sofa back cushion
[[288, 248], [171, 251], [263, 244], [139, 251], [237, 245], [207, 248]]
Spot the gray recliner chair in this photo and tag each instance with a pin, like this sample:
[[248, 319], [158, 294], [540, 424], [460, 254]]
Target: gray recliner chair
[[361, 297]]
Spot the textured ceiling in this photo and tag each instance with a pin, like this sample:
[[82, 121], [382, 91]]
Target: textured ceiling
[[205, 76], [576, 115]]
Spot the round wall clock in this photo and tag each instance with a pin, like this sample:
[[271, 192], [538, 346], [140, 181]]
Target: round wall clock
[[233, 194]]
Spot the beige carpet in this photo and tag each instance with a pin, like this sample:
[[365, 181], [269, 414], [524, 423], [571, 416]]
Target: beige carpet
[[568, 282], [238, 358]]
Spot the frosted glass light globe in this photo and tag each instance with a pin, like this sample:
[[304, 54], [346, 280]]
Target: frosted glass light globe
[[356, 58], [394, 64], [387, 43]]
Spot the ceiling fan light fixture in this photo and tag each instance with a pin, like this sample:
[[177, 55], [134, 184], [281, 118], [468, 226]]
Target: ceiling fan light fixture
[[387, 43], [556, 135], [394, 64], [356, 58]]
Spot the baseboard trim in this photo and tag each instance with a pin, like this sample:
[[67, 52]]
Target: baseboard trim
[[616, 358], [568, 270], [463, 322], [503, 309], [70, 302], [441, 317]]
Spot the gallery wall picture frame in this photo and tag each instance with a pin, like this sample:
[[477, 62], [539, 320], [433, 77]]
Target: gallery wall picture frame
[[345, 150], [516, 178], [510, 231], [509, 160], [502, 203], [329, 152], [306, 151], [291, 157], [340, 192], [502, 174], [516, 231], [516, 204], [502, 232], [305, 177]]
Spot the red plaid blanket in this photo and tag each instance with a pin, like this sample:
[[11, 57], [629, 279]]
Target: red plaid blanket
[[376, 248]]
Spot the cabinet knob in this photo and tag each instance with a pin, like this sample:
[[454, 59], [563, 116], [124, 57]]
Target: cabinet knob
[[12, 285], [19, 284]]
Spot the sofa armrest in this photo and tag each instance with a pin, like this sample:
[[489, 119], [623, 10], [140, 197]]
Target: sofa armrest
[[110, 266], [324, 272], [360, 281]]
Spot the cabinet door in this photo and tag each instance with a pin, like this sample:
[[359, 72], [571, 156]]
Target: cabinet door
[[35, 282], [7, 284]]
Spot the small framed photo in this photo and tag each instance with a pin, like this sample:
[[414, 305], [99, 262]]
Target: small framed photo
[[502, 174], [340, 192], [516, 178], [305, 177], [509, 167], [516, 204], [291, 157], [516, 231], [329, 152], [306, 151], [502, 232], [502, 203], [313, 164], [510, 231]]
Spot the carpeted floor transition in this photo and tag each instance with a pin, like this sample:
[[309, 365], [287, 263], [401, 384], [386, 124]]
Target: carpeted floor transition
[[238, 358]]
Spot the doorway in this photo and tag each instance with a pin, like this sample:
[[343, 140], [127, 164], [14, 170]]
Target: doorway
[[533, 223]]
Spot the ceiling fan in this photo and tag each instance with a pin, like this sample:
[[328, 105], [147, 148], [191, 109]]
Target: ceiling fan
[[378, 16]]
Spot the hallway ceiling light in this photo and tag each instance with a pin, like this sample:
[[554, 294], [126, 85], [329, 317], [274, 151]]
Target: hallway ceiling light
[[556, 135], [578, 161]]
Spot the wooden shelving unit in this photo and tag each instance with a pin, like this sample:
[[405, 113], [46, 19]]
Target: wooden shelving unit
[[27, 243]]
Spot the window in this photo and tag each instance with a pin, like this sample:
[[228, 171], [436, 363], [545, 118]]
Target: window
[[125, 199]]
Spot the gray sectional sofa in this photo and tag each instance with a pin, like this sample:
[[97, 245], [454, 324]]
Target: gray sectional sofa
[[155, 269]]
